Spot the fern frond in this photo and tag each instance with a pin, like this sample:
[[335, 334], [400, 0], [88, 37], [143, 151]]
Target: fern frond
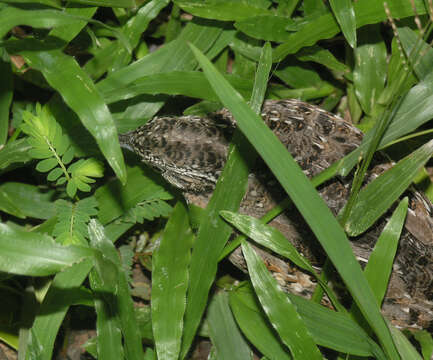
[[82, 172], [54, 150], [48, 142], [150, 208], [72, 219]]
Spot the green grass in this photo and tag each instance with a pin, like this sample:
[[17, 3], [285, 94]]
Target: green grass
[[74, 77]]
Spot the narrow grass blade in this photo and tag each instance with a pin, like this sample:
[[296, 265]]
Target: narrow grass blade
[[169, 284], [211, 238], [345, 15], [6, 92], [426, 341], [379, 267], [261, 79], [109, 343], [301, 191], [55, 305], [280, 311], [272, 239], [405, 348], [380, 194], [255, 326], [224, 333], [65, 75], [33, 254], [124, 306], [344, 335]]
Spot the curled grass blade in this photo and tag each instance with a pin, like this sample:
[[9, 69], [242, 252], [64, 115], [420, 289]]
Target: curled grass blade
[[280, 311], [301, 191], [169, 284]]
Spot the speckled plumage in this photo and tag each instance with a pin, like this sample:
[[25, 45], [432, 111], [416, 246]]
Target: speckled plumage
[[191, 151]]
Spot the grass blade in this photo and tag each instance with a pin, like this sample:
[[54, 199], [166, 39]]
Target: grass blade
[[306, 199], [345, 15], [379, 267], [33, 254], [254, 324], [211, 238], [380, 194], [221, 323], [169, 284], [280, 311], [65, 75], [55, 305]]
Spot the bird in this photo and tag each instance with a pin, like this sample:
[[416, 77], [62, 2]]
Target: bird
[[190, 153]]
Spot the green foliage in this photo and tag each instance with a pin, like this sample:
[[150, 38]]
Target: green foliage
[[97, 78], [72, 219], [148, 210], [55, 151]]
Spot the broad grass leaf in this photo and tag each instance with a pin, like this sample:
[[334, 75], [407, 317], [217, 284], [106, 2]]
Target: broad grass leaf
[[267, 27], [212, 236], [31, 200], [33, 254]]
